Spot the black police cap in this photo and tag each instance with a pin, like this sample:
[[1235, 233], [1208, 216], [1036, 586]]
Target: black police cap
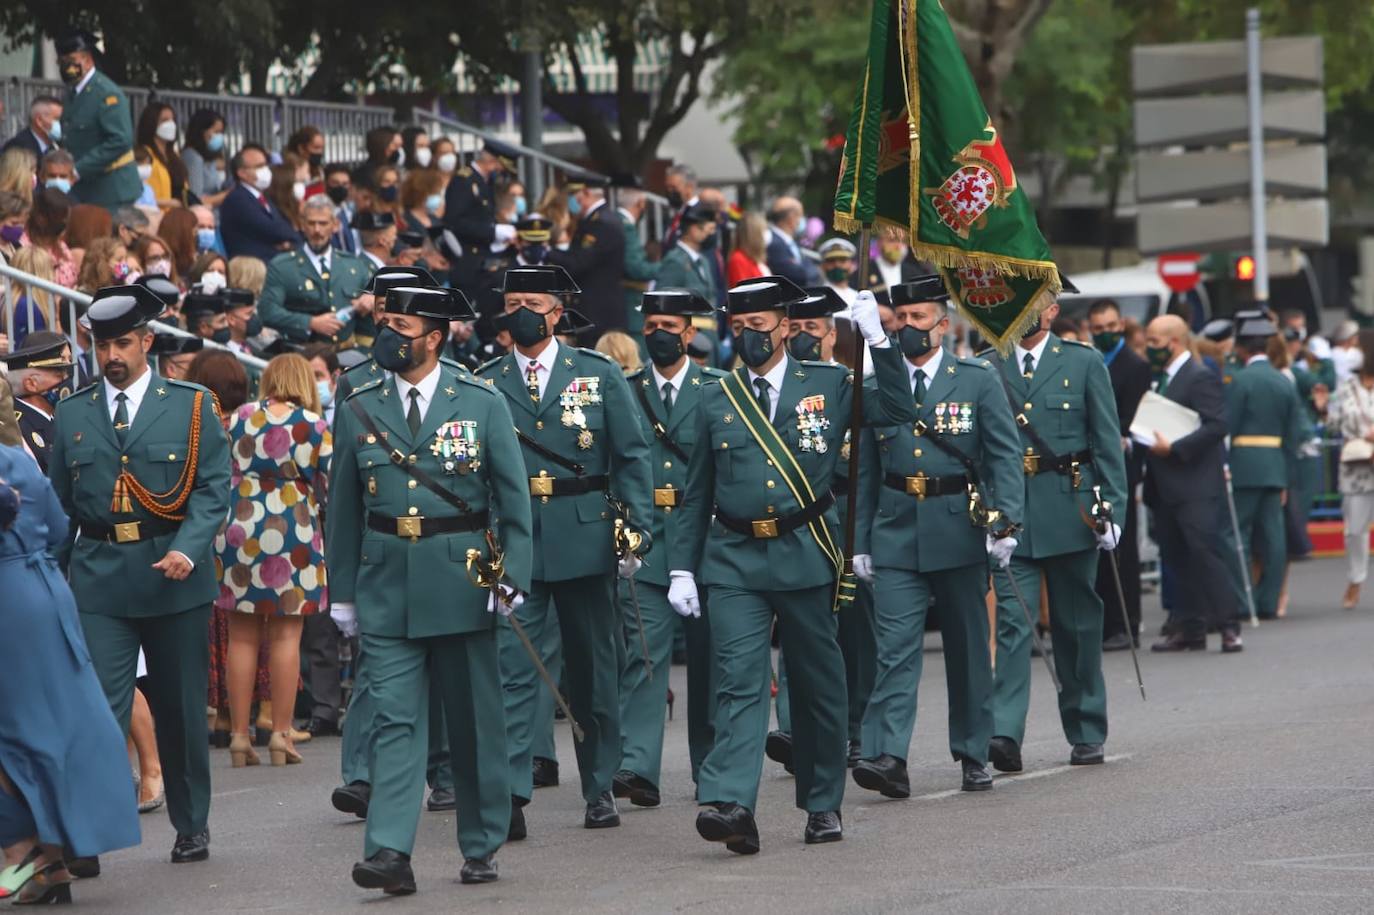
[[176, 345], [1255, 330], [820, 302], [205, 303], [671, 301], [75, 40], [445, 242], [409, 239], [508, 155], [116, 310], [429, 302], [237, 298], [547, 278], [1066, 284], [160, 286], [697, 213], [535, 228], [767, 293], [930, 288], [577, 181], [371, 221], [387, 277], [1218, 329], [40, 350], [572, 323]]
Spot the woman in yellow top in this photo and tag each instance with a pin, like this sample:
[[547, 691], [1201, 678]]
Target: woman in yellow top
[[157, 133]]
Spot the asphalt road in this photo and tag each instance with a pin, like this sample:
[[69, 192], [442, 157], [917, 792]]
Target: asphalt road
[[1244, 784]]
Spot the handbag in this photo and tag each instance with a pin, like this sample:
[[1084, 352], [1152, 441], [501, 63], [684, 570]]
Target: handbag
[[1357, 451]]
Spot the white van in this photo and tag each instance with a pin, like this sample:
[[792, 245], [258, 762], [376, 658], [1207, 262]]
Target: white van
[[1137, 290]]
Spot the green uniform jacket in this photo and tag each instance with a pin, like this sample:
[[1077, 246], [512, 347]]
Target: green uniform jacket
[[406, 589], [638, 271], [669, 470], [98, 130], [573, 533], [293, 293], [901, 532], [116, 579], [729, 469], [1070, 405], [1261, 402], [677, 270]]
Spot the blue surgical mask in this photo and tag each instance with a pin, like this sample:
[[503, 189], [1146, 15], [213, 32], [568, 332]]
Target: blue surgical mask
[[433, 202], [55, 131], [574, 206], [205, 239], [520, 206], [62, 184], [215, 142], [326, 393]]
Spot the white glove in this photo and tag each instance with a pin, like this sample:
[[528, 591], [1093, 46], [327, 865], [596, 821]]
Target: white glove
[[345, 617], [505, 232], [863, 567], [500, 606], [864, 311], [628, 566], [682, 594], [1107, 540], [1000, 549]]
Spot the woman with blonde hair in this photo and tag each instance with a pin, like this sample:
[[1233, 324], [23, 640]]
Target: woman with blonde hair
[[105, 264], [37, 262], [271, 554], [247, 273], [621, 347], [18, 170], [749, 260]]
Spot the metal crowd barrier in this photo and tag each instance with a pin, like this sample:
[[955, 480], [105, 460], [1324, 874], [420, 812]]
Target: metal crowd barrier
[[69, 299], [246, 119], [344, 126]]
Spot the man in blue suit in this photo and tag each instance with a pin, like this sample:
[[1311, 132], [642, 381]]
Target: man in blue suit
[[248, 222], [784, 254]]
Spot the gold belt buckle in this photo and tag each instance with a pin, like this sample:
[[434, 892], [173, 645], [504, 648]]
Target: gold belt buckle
[[541, 485], [916, 486], [409, 527], [765, 529], [127, 532], [1030, 464], [665, 497]]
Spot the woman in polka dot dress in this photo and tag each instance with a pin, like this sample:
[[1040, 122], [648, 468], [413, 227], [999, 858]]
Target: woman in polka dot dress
[[271, 553]]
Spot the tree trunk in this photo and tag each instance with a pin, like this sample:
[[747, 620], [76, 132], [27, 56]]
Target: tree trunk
[[991, 33]]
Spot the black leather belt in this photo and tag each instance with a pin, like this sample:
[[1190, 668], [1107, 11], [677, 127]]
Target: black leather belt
[[128, 531], [544, 485], [840, 489], [770, 528], [417, 526], [924, 487], [1031, 464]]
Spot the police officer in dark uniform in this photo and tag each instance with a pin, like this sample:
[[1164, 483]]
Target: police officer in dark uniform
[[470, 214], [40, 371], [595, 257], [174, 354]]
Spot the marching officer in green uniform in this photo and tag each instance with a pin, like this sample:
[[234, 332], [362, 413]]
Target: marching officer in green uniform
[[1070, 438], [316, 291], [588, 464], [141, 465], [768, 437], [97, 127], [667, 395], [426, 467], [1266, 421], [921, 538]]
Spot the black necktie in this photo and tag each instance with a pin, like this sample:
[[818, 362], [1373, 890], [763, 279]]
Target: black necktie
[[668, 397], [413, 414], [121, 417], [920, 387], [765, 402], [1028, 365]]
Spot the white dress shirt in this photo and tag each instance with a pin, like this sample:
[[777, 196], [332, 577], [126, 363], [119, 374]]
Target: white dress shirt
[[546, 360], [320, 262], [426, 387], [891, 273], [377, 262], [930, 369], [775, 377], [134, 392], [83, 82], [675, 383], [1036, 351]]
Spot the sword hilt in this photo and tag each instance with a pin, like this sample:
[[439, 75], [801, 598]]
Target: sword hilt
[[1101, 511]]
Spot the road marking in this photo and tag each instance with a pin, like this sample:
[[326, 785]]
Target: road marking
[[1267, 892], [1012, 777], [1321, 862]]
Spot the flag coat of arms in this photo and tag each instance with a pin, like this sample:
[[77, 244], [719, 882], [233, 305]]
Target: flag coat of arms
[[922, 157]]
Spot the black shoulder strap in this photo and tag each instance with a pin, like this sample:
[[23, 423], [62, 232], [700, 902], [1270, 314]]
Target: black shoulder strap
[[401, 461], [939, 441], [1041, 448], [551, 455], [659, 431]]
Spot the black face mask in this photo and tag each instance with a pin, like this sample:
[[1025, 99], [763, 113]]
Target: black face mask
[[755, 347], [71, 73], [394, 351], [1031, 331], [221, 336], [316, 160], [675, 200], [664, 346], [337, 193], [527, 327], [394, 158], [534, 254], [388, 194], [914, 342], [804, 346]]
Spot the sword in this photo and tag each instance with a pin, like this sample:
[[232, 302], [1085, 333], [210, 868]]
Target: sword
[[1102, 511], [1240, 550], [487, 575], [626, 541]]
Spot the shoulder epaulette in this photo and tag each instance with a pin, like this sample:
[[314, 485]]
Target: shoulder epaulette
[[464, 172], [189, 385], [488, 364], [975, 361], [1077, 343], [594, 354], [987, 353], [370, 386], [370, 365], [80, 391], [712, 372]]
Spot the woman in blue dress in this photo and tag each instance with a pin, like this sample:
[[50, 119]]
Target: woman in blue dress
[[64, 775]]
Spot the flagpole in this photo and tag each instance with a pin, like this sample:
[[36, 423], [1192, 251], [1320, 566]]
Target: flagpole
[[856, 413]]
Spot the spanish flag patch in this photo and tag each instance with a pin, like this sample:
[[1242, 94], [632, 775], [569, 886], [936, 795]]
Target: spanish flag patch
[[111, 100]]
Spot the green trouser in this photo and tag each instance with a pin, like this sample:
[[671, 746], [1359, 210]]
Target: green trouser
[[1259, 513], [859, 647], [901, 600], [467, 674], [642, 696], [783, 700], [178, 655], [1076, 633], [589, 624], [741, 621], [542, 743], [360, 722]]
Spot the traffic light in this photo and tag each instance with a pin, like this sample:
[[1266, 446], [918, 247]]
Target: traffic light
[[1244, 268]]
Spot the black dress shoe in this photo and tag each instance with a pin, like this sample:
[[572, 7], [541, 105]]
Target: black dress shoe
[[84, 868], [321, 727], [545, 772], [1230, 641], [388, 871], [517, 820], [1004, 754], [823, 827], [602, 813], [1177, 642], [855, 753], [778, 747], [479, 870], [1086, 754], [352, 798], [640, 791], [885, 774], [1119, 642], [195, 847], [732, 824], [442, 799], [976, 777]]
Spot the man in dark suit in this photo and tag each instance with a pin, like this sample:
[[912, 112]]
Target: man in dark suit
[[1185, 488], [596, 255], [784, 254], [1130, 380], [249, 223], [470, 215], [44, 130]]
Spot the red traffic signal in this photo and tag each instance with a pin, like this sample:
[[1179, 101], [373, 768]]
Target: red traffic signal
[[1245, 268]]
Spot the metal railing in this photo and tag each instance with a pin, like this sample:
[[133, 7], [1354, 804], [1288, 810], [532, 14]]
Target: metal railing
[[344, 126], [70, 299]]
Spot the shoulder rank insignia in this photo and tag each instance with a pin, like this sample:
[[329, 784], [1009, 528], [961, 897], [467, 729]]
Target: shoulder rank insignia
[[490, 382], [949, 369], [588, 241], [111, 100], [695, 381]]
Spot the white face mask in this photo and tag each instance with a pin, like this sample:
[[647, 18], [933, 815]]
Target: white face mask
[[145, 171], [448, 162], [212, 281], [167, 130], [298, 190], [160, 267], [262, 178], [422, 156]]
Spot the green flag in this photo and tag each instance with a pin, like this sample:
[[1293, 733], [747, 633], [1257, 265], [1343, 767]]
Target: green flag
[[923, 157]]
